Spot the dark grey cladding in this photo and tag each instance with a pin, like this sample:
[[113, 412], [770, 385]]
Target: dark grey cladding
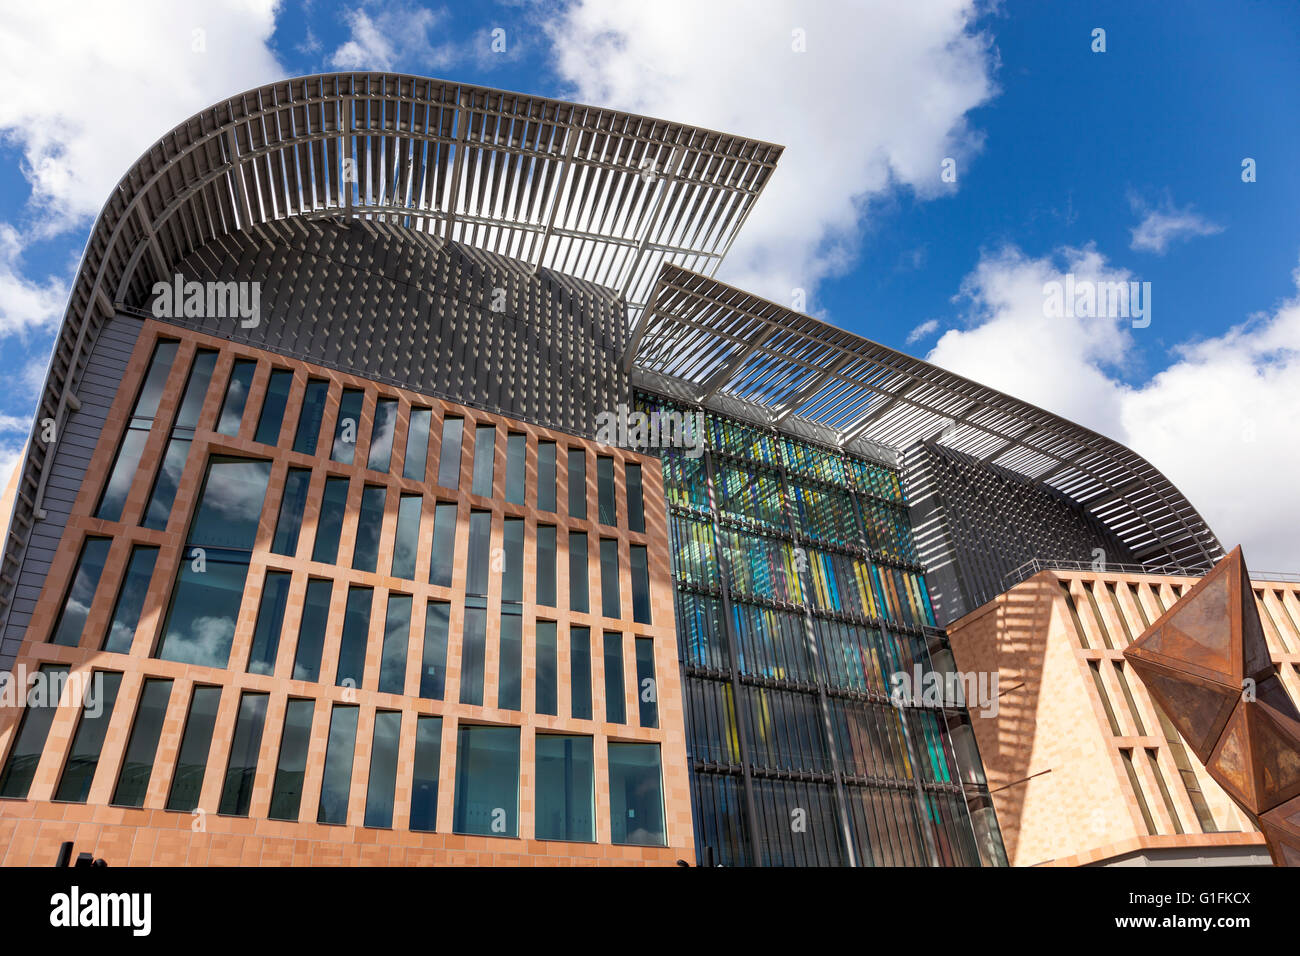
[[438, 317], [975, 523]]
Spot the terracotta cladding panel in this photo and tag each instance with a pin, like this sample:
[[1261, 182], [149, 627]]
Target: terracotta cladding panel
[[31, 830]]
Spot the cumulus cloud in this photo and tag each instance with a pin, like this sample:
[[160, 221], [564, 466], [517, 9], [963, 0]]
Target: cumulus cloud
[[1219, 421], [1165, 224], [396, 37], [25, 304], [924, 330], [878, 100]]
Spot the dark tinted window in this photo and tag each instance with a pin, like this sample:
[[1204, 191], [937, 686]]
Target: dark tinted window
[[83, 758], [546, 668], [311, 630], [370, 524], [270, 618], [640, 585], [487, 781], [433, 668], [142, 748], [636, 802], [579, 598], [383, 769], [330, 523], [610, 606], [449, 454], [417, 444], [605, 489], [356, 633], [424, 781], [292, 504], [336, 784], [85, 581], [187, 781], [381, 435], [546, 476], [647, 688], [344, 448], [577, 483], [42, 703], [311, 416], [286, 793], [516, 450], [406, 541], [480, 529], [471, 656], [510, 658], [397, 640], [565, 788], [277, 396], [546, 565], [580, 672], [130, 599], [443, 561], [484, 455], [615, 692], [635, 497], [237, 389], [241, 770]]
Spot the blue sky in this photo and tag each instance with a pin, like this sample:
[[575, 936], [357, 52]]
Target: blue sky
[[1117, 164]]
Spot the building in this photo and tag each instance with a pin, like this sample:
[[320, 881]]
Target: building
[[414, 494]]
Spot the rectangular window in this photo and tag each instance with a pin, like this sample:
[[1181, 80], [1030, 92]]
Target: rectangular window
[[487, 781], [85, 581], [546, 565], [196, 741], [356, 634], [311, 630], [546, 476], [344, 448], [516, 473], [511, 657], [443, 561], [424, 781], [241, 770], [370, 524], [291, 768], [417, 444], [272, 417], [577, 483], [605, 490], [196, 389], [433, 667], [453, 430], [232, 407], [484, 455], [512, 576], [383, 769], [270, 618], [292, 505], [137, 764], [311, 416], [381, 435], [336, 783], [640, 584], [42, 703], [579, 597], [200, 624], [547, 675], [635, 498], [329, 525], [471, 656], [88, 742], [133, 442], [397, 641], [480, 537], [636, 800], [647, 686], [406, 541], [615, 689], [163, 494], [565, 788], [580, 672], [130, 599], [610, 606]]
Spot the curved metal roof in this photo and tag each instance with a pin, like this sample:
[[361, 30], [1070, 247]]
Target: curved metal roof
[[717, 340]]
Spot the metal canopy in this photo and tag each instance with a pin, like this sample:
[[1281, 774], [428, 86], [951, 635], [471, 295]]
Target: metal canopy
[[714, 338]]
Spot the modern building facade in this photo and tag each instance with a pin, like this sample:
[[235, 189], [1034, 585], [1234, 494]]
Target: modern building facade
[[413, 494]]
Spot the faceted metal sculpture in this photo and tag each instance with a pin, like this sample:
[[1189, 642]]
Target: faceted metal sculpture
[[1206, 665]]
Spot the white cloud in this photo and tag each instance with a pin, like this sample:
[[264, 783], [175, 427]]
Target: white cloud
[[1218, 422], [1165, 224], [395, 38], [878, 100], [25, 305], [924, 330]]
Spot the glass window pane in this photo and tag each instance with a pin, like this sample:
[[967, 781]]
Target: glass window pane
[[636, 803], [546, 476], [433, 669], [511, 655], [345, 428], [142, 748], [311, 631], [336, 783], [635, 497], [123, 473], [146, 403], [83, 758], [130, 599], [232, 407], [610, 606], [292, 505], [230, 503], [512, 577], [547, 676], [205, 605], [381, 435], [356, 634], [487, 781], [383, 769], [424, 782], [309, 419], [270, 619], [85, 581], [579, 598], [566, 788], [516, 475], [397, 641], [165, 484], [484, 455], [406, 541], [577, 483], [605, 489], [580, 672], [417, 444], [330, 523], [277, 397], [615, 692], [647, 686], [640, 585], [370, 524], [42, 703], [443, 561], [196, 389], [449, 455], [480, 529], [471, 656], [241, 770], [546, 565], [286, 793], [187, 781]]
